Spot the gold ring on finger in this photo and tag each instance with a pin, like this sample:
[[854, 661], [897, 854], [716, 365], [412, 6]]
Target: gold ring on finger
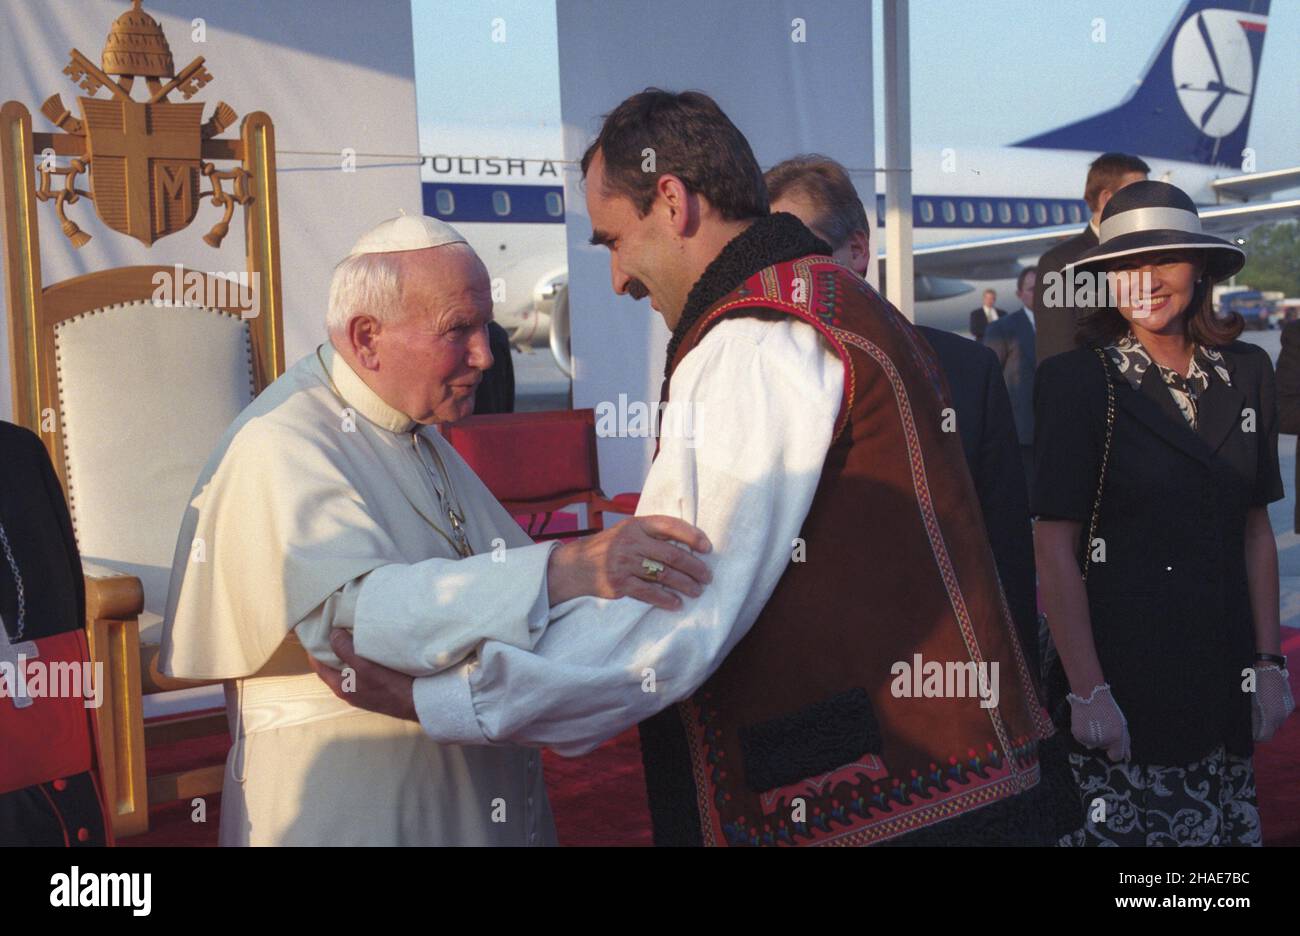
[[653, 569]]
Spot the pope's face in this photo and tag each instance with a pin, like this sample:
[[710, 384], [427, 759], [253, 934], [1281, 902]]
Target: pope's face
[[432, 358]]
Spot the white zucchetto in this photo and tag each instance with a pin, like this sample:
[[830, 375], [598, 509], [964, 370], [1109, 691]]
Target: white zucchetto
[[406, 232]]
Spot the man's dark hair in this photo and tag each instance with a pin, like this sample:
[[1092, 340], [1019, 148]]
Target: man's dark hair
[[1020, 280], [826, 184], [1104, 174], [692, 139]]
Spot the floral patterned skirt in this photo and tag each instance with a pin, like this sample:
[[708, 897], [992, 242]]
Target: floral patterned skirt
[[1210, 802]]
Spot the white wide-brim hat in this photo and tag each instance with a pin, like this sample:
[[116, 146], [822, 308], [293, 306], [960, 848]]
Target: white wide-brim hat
[[1149, 216]]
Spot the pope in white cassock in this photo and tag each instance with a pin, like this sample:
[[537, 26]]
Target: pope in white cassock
[[330, 503]]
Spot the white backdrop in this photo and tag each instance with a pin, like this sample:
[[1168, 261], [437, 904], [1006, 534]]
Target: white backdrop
[[332, 74], [786, 96]]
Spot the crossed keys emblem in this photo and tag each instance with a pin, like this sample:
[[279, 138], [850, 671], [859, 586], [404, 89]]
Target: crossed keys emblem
[[143, 158]]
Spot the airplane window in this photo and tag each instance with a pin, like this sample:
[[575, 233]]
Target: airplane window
[[1075, 214], [949, 212], [445, 202], [1004, 212], [986, 212], [501, 203], [1058, 214], [967, 212], [927, 211], [554, 205], [1022, 212], [1040, 213]]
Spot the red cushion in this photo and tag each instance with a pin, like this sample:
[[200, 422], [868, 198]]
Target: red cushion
[[626, 503], [530, 456]]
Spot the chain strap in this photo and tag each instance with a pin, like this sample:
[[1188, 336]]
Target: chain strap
[[18, 579], [1105, 460], [446, 500]]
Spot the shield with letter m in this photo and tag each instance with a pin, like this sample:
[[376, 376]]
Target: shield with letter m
[[144, 164]]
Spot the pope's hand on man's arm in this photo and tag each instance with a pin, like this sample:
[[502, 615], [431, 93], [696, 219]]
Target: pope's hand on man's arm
[[610, 564], [763, 397]]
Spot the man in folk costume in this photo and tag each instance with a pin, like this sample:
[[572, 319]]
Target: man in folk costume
[[330, 503], [778, 707]]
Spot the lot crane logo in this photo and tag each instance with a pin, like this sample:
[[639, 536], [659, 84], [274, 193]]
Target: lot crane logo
[[1214, 69]]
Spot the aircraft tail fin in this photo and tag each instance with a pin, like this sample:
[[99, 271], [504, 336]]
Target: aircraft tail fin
[[1194, 100]]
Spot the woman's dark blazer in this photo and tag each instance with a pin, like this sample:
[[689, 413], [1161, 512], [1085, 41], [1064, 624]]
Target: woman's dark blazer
[[1170, 605]]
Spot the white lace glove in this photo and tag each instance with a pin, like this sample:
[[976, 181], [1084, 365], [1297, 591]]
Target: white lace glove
[[1271, 702], [1097, 722]]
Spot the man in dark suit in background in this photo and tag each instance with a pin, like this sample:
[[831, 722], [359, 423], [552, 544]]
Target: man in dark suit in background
[[817, 190], [985, 315], [1012, 340], [1107, 174], [1288, 393], [496, 390]]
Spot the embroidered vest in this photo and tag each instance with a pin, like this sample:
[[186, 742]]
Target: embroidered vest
[[853, 712]]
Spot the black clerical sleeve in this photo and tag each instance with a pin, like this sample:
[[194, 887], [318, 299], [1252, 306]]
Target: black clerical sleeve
[[39, 527], [62, 810]]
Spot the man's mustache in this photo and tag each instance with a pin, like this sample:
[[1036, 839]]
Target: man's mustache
[[636, 289]]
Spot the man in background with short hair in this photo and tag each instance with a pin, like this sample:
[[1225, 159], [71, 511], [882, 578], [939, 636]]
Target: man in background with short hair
[[1012, 340], [1055, 327], [985, 315]]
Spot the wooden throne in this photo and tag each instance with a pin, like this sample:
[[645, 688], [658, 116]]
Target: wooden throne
[[131, 375]]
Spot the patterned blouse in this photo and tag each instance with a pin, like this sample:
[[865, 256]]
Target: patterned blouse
[[1133, 360]]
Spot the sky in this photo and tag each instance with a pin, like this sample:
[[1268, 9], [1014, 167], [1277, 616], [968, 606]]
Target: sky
[[984, 73]]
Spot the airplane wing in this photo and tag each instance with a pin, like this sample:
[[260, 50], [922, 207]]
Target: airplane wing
[[1002, 257], [998, 257], [1245, 187], [1235, 220]]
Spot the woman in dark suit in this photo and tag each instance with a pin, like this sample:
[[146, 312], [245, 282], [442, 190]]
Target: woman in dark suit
[[1169, 642]]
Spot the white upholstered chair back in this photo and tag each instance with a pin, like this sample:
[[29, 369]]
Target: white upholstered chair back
[[145, 393]]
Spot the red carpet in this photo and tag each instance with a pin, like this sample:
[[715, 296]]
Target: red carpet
[[600, 799], [1277, 765]]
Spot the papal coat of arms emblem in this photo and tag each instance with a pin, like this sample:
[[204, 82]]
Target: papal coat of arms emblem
[[143, 157]]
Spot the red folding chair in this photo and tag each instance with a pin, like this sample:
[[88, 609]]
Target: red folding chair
[[538, 463]]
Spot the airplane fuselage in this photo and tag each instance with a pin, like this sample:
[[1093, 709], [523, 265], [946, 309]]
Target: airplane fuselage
[[959, 193]]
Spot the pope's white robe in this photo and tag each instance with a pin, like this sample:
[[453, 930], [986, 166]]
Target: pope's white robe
[[315, 512]]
